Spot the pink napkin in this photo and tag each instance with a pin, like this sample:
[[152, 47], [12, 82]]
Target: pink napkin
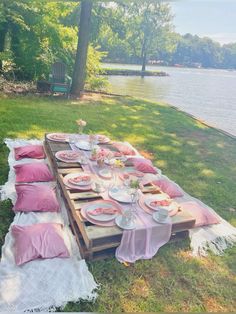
[[69, 155], [58, 136], [126, 175], [79, 179], [160, 203], [104, 210]]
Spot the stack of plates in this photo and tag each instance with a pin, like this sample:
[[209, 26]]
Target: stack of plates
[[68, 156], [58, 137], [80, 181]]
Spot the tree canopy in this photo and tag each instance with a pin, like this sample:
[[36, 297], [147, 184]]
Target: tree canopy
[[34, 34]]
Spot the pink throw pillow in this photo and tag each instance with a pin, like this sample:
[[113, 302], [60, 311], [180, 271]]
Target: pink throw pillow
[[42, 240], [169, 187], [29, 151], [32, 197], [202, 214], [33, 172], [124, 148], [143, 165]]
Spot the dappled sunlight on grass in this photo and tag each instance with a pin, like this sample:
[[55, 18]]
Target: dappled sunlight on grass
[[161, 163], [140, 287], [207, 173], [33, 132], [200, 125], [167, 148]]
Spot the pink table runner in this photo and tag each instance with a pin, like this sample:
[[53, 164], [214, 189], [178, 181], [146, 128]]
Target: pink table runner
[[144, 241]]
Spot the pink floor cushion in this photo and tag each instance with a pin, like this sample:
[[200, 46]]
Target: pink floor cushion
[[29, 151], [169, 187], [201, 213], [36, 197], [42, 240], [124, 148], [33, 172], [143, 165]]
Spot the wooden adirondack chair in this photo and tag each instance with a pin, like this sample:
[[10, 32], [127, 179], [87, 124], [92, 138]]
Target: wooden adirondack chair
[[59, 80]]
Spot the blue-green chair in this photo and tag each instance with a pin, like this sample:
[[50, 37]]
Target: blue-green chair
[[60, 82]]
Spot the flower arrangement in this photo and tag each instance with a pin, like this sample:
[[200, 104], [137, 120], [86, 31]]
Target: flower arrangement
[[99, 155], [118, 163], [102, 153], [134, 184], [81, 124]]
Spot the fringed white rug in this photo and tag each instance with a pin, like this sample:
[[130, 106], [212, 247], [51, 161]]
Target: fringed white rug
[[40, 285]]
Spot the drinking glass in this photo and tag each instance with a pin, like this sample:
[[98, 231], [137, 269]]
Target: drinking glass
[[81, 128], [134, 198], [72, 139]]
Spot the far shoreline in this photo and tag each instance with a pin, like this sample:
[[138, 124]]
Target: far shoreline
[[159, 66]]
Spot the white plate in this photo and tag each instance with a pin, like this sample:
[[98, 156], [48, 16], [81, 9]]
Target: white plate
[[120, 194], [84, 145], [105, 139], [64, 137], [157, 197], [82, 183], [155, 216], [105, 173], [68, 160], [118, 221], [102, 217], [132, 174]]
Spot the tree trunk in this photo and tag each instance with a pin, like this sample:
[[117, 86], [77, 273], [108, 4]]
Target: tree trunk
[[144, 55], [82, 48], [3, 33], [144, 60]]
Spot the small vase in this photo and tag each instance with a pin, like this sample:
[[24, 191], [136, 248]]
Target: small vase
[[81, 129], [100, 163]]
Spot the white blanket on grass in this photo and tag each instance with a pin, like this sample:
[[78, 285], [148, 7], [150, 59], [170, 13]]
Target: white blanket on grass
[[40, 285]]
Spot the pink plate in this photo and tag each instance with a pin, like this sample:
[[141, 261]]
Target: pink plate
[[109, 223], [75, 186], [150, 211], [58, 137], [102, 139], [131, 173], [59, 155]]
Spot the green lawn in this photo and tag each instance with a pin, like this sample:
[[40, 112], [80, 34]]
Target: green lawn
[[200, 159]]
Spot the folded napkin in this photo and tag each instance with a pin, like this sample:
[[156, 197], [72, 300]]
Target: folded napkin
[[59, 136], [104, 210], [80, 179], [69, 155], [160, 203], [126, 175]]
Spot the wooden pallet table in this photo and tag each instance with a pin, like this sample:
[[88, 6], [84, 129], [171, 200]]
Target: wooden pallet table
[[96, 242]]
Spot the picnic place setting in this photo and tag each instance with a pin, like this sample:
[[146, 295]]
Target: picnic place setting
[[81, 197]]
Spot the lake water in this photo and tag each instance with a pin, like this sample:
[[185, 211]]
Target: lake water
[[210, 95]]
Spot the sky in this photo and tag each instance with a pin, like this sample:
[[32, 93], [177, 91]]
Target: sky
[[212, 18]]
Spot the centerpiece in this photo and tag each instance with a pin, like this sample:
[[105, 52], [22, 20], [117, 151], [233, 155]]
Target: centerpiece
[[81, 124]]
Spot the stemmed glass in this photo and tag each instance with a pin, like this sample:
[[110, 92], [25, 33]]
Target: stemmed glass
[[92, 141], [133, 192]]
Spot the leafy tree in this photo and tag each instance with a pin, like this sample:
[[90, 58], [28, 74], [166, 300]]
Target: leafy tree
[[149, 25]]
